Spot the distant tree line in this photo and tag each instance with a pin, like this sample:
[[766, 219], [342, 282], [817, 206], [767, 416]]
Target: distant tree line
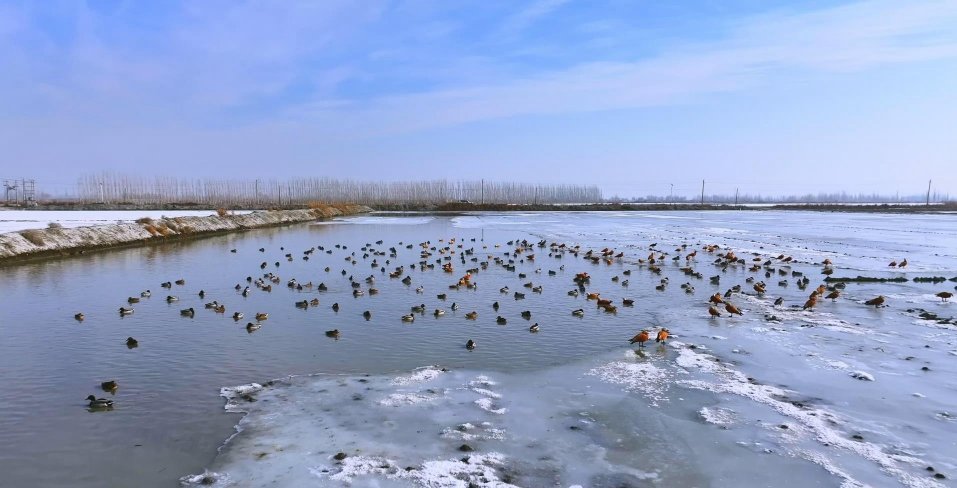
[[120, 188], [837, 197]]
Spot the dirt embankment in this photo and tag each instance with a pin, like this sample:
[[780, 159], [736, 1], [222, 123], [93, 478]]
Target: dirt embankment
[[53, 242]]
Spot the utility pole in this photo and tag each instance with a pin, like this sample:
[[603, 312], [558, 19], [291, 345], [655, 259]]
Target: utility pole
[[483, 191], [928, 192], [702, 192], [671, 196], [736, 197]]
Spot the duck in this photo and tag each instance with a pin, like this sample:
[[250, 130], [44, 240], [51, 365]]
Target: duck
[[944, 296], [334, 333], [146, 294], [408, 318], [495, 306], [262, 316], [503, 290], [732, 309], [79, 317], [303, 304], [418, 308], [132, 300], [902, 263], [166, 285], [833, 295], [471, 315], [810, 303], [573, 293], [533, 327], [220, 308], [212, 304], [131, 342], [126, 311], [500, 320], [455, 306], [779, 301], [420, 290], [662, 335], [627, 302], [335, 307], [640, 338], [180, 282], [519, 296], [441, 296], [202, 293], [101, 403], [367, 315], [187, 312], [438, 312], [579, 312], [171, 299], [713, 311], [109, 385], [237, 316], [251, 327], [877, 302]]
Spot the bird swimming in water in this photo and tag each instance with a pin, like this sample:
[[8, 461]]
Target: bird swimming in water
[[131, 342], [188, 312], [109, 385], [471, 315], [126, 311], [500, 320], [367, 315], [334, 333], [79, 316], [262, 316], [470, 344], [533, 327], [579, 312], [640, 338], [251, 327], [408, 318], [99, 403]]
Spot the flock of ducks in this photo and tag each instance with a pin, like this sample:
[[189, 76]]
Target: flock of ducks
[[443, 254]]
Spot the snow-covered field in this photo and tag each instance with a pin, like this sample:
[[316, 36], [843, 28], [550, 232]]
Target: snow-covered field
[[16, 220]]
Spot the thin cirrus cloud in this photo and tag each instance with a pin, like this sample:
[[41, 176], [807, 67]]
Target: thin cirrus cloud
[[847, 38]]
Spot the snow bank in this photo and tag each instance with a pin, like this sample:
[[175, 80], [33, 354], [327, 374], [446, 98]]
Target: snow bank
[[61, 241]]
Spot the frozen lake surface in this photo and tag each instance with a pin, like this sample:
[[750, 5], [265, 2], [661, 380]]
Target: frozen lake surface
[[16, 220], [842, 395]]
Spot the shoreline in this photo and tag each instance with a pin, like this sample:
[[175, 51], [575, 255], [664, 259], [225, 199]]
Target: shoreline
[[945, 207], [49, 243]]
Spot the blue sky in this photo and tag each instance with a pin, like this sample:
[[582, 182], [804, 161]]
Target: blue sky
[[769, 97]]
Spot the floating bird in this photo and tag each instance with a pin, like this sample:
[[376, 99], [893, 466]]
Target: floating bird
[[367, 315], [627, 302], [877, 302], [500, 320], [79, 317], [171, 299], [251, 327], [578, 313], [533, 327], [471, 315], [262, 316], [132, 300], [146, 294], [99, 403], [237, 316], [438, 312], [470, 344], [109, 385], [640, 338], [188, 312], [662, 335], [334, 333], [126, 311], [131, 342], [408, 318]]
